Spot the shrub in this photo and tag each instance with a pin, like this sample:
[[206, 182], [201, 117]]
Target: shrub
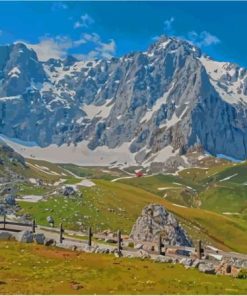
[[242, 274]]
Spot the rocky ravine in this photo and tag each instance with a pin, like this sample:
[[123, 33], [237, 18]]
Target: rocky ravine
[[154, 105]]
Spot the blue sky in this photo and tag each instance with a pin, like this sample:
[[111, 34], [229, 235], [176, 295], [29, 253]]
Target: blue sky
[[104, 29]]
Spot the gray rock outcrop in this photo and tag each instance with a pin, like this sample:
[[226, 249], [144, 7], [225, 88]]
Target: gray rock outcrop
[[155, 220]]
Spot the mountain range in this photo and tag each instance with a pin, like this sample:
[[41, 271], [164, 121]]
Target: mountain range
[[144, 108]]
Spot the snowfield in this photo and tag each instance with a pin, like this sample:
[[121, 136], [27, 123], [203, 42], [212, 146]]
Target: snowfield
[[80, 154]]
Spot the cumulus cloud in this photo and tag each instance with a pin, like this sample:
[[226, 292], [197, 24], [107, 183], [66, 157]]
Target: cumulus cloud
[[58, 47], [101, 49], [84, 22], [168, 26], [51, 47], [203, 38]]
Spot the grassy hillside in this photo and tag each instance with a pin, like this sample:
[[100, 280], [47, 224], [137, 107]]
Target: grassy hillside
[[115, 206], [221, 188], [43, 270], [94, 172], [211, 202]]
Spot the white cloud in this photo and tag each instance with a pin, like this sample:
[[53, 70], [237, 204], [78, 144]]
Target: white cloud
[[168, 26], [100, 49], [203, 38], [59, 46], [107, 50], [84, 22], [59, 6], [51, 47]]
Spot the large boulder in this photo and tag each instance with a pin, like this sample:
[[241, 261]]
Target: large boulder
[[155, 220], [25, 236]]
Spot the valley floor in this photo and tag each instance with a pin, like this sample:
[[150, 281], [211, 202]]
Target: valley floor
[[33, 269]]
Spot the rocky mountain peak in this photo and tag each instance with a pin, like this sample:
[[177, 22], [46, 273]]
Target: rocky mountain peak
[[172, 45], [21, 69]]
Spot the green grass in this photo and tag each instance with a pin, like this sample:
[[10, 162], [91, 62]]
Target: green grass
[[176, 189], [213, 189], [32, 269], [226, 198], [28, 189], [117, 206], [93, 172]]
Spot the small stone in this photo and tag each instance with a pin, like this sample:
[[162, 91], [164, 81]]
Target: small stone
[[39, 238], [186, 262], [50, 220], [49, 242], [206, 268], [143, 254], [76, 286], [25, 236], [163, 259], [138, 246], [74, 248], [10, 200], [111, 240], [196, 263], [4, 235]]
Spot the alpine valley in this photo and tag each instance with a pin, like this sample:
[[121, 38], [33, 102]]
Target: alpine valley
[[153, 109], [123, 175]]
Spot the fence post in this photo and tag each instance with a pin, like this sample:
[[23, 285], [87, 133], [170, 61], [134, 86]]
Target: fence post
[[199, 249], [119, 241], [4, 222], [160, 245], [90, 234], [61, 233], [33, 226]]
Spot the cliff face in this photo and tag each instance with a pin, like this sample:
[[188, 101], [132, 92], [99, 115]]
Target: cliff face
[[157, 103]]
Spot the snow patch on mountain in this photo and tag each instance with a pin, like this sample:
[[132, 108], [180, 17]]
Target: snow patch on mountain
[[15, 72], [79, 154], [156, 107], [93, 111], [229, 80]]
